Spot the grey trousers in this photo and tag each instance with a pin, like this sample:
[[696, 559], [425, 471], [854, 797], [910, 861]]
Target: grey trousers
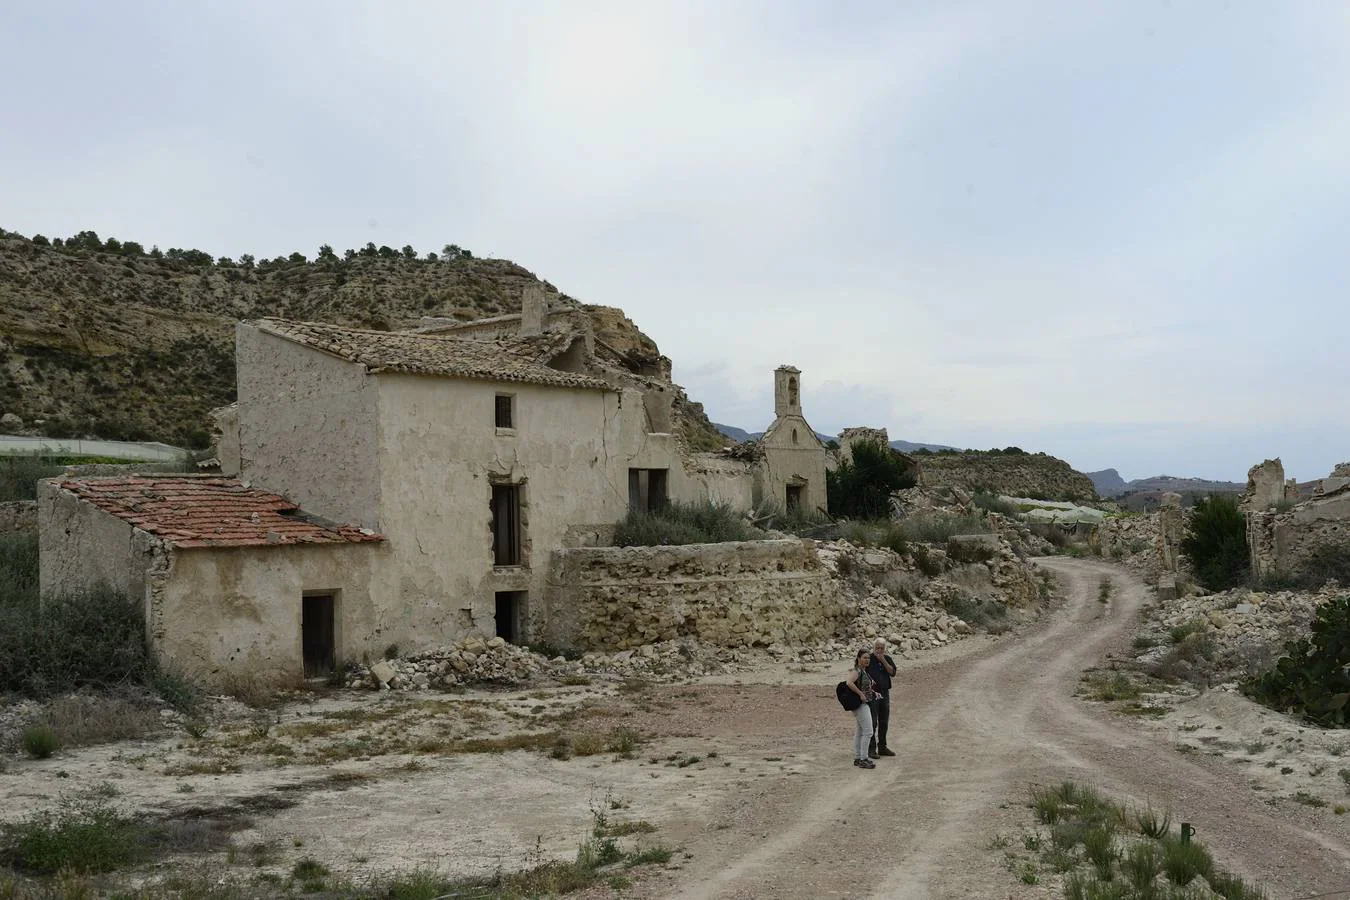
[[863, 716]]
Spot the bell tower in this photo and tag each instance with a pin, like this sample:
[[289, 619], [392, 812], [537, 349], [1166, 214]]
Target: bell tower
[[787, 398]]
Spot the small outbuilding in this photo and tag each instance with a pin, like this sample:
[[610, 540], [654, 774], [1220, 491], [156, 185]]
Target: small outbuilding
[[233, 578]]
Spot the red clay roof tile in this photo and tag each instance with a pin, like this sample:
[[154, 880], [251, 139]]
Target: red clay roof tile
[[209, 511]]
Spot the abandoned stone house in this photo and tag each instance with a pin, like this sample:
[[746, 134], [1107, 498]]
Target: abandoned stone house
[[402, 489]]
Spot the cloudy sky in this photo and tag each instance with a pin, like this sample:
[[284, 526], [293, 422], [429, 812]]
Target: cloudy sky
[[1116, 232]]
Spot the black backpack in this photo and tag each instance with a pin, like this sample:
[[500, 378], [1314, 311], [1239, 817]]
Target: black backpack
[[847, 698]]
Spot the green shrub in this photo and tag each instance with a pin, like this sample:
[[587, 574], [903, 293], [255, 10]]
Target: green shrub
[[1183, 860], [862, 488], [937, 528], [20, 474], [991, 502], [1311, 679], [684, 523], [1216, 543], [83, 834], [18, 569], [40, 742], [92, 638]]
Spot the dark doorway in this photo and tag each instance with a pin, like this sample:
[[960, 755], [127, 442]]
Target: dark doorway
[[795, 492], [505, 525], [318, 637], [646, 489], [511, 616]]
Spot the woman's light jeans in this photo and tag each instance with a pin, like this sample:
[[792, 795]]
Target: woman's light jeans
[[863, 737]]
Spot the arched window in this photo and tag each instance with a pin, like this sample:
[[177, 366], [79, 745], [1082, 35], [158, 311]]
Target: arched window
[[792, 391], [794, 435]]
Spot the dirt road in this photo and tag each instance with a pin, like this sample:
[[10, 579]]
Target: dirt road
[[971, 735]]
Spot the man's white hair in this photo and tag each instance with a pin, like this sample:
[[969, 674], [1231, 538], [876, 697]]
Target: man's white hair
[[878, 642]]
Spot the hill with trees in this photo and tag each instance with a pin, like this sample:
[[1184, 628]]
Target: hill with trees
[[106, 338]]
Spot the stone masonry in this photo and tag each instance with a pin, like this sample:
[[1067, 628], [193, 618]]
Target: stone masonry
[[741, 594]]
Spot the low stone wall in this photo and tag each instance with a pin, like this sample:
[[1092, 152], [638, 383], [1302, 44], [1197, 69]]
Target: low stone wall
[[741, 594], [19, 515], [1280, 541]]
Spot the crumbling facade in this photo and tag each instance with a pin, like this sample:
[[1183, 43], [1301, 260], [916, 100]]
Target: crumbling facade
[[1282, 540], [462, 455]]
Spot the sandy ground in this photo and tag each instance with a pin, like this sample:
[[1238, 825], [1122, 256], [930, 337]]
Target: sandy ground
[[750, 776]]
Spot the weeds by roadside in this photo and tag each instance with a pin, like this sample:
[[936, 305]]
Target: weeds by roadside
[[1106, 849]]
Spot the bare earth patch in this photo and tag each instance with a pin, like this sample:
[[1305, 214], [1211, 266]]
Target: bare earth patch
[[746, 777]]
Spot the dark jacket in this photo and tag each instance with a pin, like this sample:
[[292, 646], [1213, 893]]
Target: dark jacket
[[881, 679]]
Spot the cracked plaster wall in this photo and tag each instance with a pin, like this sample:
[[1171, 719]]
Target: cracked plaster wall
[[217, 612], [308, 427]]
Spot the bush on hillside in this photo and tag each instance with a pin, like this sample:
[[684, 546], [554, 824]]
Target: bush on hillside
[[992, 502], [1311, 679], [862, 488], [937, 527], [1216, 543], [684, 523]]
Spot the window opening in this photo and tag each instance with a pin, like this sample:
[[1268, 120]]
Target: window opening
[[506, 525], [505, 417], [647, 489], [795, 495], [792, 391]]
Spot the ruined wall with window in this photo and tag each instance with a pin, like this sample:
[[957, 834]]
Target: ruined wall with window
[[751, 593]]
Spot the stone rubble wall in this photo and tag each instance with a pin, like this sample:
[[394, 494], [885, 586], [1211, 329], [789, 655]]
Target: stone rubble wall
[[18, 515], [1280, 541], [737, 594]]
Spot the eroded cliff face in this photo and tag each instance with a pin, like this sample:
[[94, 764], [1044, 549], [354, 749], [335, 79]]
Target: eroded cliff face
[[1035, 475]]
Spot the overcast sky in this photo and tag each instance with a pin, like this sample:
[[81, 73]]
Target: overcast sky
[[1116, 232]]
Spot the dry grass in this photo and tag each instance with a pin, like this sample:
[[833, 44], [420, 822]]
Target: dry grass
[[85, 719]]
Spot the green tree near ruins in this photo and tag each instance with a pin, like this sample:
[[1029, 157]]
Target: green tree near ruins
[[1216, 543], [862, 488]]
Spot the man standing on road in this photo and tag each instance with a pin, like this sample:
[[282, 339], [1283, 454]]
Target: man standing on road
[[882, 670]]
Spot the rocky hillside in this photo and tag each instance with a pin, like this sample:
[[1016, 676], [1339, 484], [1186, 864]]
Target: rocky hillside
[[102, 339], [1013, 472]]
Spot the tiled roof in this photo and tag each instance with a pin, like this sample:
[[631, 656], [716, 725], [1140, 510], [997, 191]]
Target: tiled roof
[[514, 359], [206, 511]]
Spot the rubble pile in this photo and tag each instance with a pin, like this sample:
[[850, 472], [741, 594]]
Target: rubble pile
[[1237, 633], [892, 597]]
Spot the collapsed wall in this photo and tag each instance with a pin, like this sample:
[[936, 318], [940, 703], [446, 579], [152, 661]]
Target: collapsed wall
[[736, 594]]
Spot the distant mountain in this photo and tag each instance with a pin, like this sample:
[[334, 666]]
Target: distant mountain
[[740, 434], [1108, 482], [736, 434], [910, 446], [1172, 483]]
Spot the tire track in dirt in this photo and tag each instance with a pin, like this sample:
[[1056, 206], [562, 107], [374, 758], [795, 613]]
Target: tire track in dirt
[[974, 733]]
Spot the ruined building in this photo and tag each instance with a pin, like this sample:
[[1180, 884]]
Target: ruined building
[[401, 488]]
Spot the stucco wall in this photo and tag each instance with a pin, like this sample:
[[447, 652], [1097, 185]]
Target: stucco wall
[[80, 547], [308, 427], [439, 453], [218, 611], [731, 595], [786, 460]]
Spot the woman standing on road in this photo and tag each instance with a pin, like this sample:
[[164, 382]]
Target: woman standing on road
[[861, 684]]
